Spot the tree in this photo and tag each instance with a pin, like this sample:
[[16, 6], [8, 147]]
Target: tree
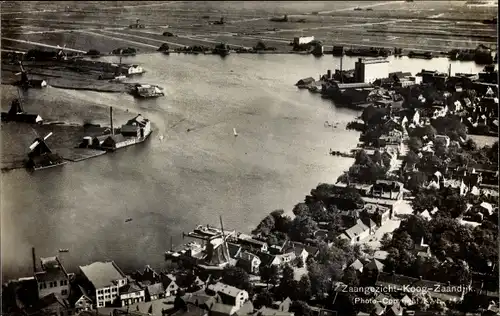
[[300, 308], [298, 262], [263, 299], [377, 156], [415, 144], [288, 285], [260, 46], [362, 158], [350, 277], [386, 241], [301, 209], [236, 277], [302, 228], [417, 179], [319, 278], [304, 288], [269, 274], [265, 226]]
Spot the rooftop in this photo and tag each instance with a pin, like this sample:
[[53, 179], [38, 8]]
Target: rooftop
[[102, 274]]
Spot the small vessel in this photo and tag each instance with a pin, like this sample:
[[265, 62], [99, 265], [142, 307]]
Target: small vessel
[[128, 220], [234, 132], [206, 230], [147, 91], [161, 137], [63, 250]]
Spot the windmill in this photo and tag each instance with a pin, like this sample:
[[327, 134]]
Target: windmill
[[61, 54], [40, 155], [24, 75], [25, 82]]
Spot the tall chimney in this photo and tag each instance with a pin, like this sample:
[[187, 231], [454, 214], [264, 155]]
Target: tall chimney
[[111, 120], [33, 257]]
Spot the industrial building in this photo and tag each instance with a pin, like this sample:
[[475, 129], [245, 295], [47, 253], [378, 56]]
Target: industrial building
[[368, 70]]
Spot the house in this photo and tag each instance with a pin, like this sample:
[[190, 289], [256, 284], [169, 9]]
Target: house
[[426, 215], [267, 259], [80, 299], [356, 266], [136, 127], [52, 304], [386, 189], [363, 189], [131, 293], [422, 249], [147, 276], [229, 294], [486, 207], [266, 311], [395, 310], [249, 262], [444, 139], [407, 301], [234, 250], [155, 292], [282, 306], [380, 255], [112, 142], [356, 233], [105, 279], [378, 213], [53, 279], [220, 309], [169, 285], [259, 245], [374, 265], [299, 249]]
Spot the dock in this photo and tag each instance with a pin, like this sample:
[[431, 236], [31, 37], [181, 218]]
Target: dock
[[79, 154]]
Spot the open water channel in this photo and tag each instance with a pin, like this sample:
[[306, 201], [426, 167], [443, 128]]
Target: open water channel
[[172, 184]]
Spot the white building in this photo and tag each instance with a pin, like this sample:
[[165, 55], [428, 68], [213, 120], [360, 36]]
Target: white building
[[135, 70], [369, 70], [106, 279], [53, 278], [303, 40], [131, 293], [229, 294]]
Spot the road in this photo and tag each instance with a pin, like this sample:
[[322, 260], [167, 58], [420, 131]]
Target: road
[[361, 7], [41, 44]]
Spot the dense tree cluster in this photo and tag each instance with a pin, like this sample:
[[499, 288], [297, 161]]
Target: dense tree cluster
[[366, 169], [472, 249]]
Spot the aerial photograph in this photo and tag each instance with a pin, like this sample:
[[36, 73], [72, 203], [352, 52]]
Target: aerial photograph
[[249, 158]]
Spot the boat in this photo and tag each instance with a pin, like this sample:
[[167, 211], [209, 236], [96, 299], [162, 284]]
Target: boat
[[207, 230], [234, 132], [424, 55], [128, 220], [147, 91], [63, 250]]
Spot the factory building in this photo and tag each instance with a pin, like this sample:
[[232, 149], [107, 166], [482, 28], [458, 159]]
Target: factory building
[[368, 70]]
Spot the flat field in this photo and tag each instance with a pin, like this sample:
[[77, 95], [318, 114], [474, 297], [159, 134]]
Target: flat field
[[419, 25]]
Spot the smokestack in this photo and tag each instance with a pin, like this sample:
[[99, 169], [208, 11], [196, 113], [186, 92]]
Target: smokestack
[[111, 120], [33, 257], [449, 70]]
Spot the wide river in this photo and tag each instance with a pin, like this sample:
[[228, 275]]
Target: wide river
[[172, 183]]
